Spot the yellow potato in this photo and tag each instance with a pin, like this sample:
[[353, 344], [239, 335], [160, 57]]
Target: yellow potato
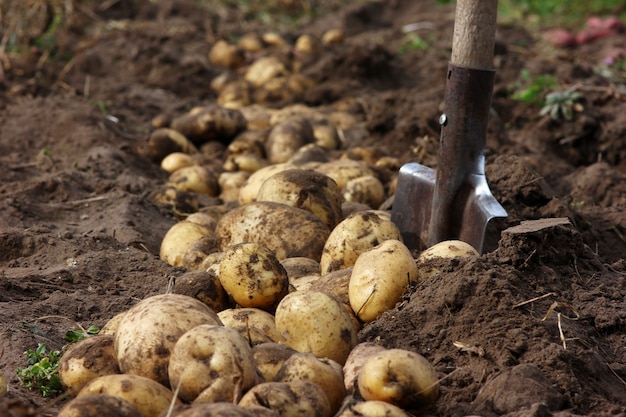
[[448, 249], [204, 286], [379, 278], [196, 254], [215, 122], [221, 409], [177, 160], [164, 141], [264, 69], [289, 399], [253, 317], [251, 42], [196, 179], [309, 155], [365, 190], [212, 361], [230, 183], [300, 267], [287, 137], [146, 395], [344, 170], [373, 409], [98, 405], [355, 361], [250, 188], [269, 358], [111, 326], [332, 36], [85, 360], [179, 238], [225, 55], [312, 321]]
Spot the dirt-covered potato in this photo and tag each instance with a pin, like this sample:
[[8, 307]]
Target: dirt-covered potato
[[299, 267], [253, 276], [196, 179], [355, 361], [287, 137], [110, 327], [85, 360], [230, 183], [311, 154], [326, 134], [448, 249], [235, 94], [179, 238], [269, 358], [164, 141], [287, 231], [365, 190], [148, 331], [399, 377], [251, 42], [196, 254], [357, 233], [332, 36], [264, 69], [250, 189], [250, 317], [344, 170], [372, 409], [146, 395], [308, 190], [98, 405], [225, 55], [324, 372], [211, 364], [336, 284], [289, 399], [379, 278], [179, 202], [315, 322], [215, 122], [222, 409], [204, 286], [177, 160]]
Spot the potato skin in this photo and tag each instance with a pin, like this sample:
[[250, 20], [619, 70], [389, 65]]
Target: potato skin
[[289, 399], [87, 359], [179, 239], [269, 358], [355, 361], [373, 409], [253, 317], [287, 137], [98, 405], [148, 331], [287, 231], [210, 123], [204, 286], [211, 410]]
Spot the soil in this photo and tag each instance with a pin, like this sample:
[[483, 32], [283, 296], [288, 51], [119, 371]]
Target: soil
[[534, 327]]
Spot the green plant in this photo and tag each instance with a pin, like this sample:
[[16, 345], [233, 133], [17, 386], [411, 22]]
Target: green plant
[[73, 335], [42, 372], [560, 104], [532, 91], [555, 12], [413, 42]]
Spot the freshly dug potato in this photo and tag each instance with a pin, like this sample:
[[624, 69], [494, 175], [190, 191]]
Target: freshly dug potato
[[287, 137], [222, 409], [380, 277], [400, 377], [111, 326], [289, 399], [264, 69], [355, 361], [373, 409], [211, 362], [253, 335], [274, 39], [307, 44], [285, 230], [235, 94], [251, 42], [146, 395], [85, 360], [269, 358], [300, 267], [303, 283], [324, 372], [180, 202], [98, 405], [291, 111], [250, 317], [448, 249], [335, 284], [204, 219], [344, 170], [253, 276], [326, 134], [357, 233], [230, 183], [179, 238], [210, 123], [250, 189], [203, 286], [315, 322], [275, 89], [307, 190], [148, 331], [177, 160], [332, 36], [164, 141], [257, 116], [365, 190], [246, 162], [194, 257], [225, 55], [308, 155], [196, 179]]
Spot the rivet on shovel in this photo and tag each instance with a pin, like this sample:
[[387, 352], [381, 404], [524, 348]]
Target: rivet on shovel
[[455, 202]]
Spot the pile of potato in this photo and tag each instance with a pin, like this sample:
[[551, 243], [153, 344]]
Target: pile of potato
[[288, 252]]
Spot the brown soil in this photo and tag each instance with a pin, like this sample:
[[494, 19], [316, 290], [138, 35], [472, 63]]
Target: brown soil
[[79, 237]]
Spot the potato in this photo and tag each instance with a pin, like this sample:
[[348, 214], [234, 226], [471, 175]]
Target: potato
[[225, 55], [235, 94], [298, 84], [324, 372], [274, 39], [110, 328], [213, 362], [257, 116], [194, 257], [250, 189], [275, 89], [380, 277], [210, 123], [230, 183], [289, 399], [177, 201], [253, 276], [312, 321], [269, 358], [332, 36], [344, 170], [203, 286], [448, 249], [164, 141], [285, 230], [176, 160], [287, 137], [85, 360], [251, 42], [355, 361], [335, 284], [307, 44], [203, 218], [326, 134], [300, 267], [247, 162], [365, 190], [98, 405], [291, 111], [148, 331], [253, 336], [251, 317], [222, 409], [400, 377], [309, 154], [179, 238], [196, 179], [373, 409], [146, 395], [357, 233], [307, 190], [264, 69]]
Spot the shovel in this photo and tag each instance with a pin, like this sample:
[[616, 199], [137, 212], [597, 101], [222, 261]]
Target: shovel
[[455, 202]]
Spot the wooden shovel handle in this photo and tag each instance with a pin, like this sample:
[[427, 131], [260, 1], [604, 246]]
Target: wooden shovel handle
[[474, 33]]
